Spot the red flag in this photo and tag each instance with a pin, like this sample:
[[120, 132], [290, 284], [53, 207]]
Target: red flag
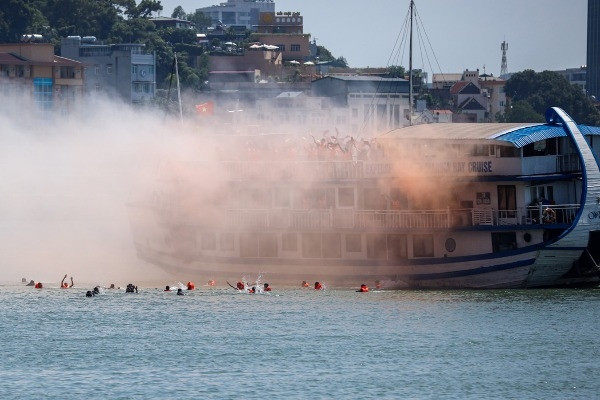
[[205, 108]]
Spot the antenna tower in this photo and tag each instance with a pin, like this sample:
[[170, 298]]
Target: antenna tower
[[503, 66]]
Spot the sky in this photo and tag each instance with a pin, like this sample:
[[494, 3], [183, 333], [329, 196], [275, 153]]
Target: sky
[[462, 34]]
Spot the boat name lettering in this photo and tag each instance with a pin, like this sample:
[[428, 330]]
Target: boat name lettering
[[480, 166], [594, 214]]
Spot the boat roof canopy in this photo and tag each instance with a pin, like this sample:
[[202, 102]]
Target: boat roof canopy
[[517, 134]]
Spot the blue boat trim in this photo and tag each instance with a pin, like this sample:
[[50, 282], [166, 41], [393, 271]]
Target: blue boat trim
[[473, 271]]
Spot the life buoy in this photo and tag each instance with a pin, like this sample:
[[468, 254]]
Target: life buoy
[[549, 216]]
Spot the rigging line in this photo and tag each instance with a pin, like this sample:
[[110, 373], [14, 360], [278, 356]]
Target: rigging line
[[402, 34], [430, 46]]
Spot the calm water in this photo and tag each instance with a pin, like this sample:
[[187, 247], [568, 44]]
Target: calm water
[[217, 343]]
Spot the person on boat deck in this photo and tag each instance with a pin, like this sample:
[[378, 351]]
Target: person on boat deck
[[267, 288], [305, 284], [318, 286], [31, 283], [180, 292], [167, 288], [363, 288], [240, 285], [64, 284]]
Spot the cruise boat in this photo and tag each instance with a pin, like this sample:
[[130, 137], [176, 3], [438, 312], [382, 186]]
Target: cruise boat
[[427, 206]]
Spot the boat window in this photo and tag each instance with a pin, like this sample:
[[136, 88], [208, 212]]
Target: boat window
[[248, 245], [376, 246], [209, 241], [289, 242], [353, 243], [332, 245], [507, 151], [396, 245], [374, 199], [502, 241], [226, 241], [282, 197], [423, 245], [346, 197], [311, 245], [267, 245]]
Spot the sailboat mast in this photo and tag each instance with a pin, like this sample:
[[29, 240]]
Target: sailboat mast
[[410, 66], [178, 90]]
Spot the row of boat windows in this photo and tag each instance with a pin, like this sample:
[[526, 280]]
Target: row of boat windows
[[320, 245], [318, 198]]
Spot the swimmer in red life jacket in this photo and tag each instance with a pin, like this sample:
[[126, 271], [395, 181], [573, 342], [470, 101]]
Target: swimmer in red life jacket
[[267, 288], [191, 286], [363, 288], [318, 286], [240, 285], [39, 285], [252, 290]]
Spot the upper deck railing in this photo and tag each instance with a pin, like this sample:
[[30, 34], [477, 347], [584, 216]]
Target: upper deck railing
[[393, 220]]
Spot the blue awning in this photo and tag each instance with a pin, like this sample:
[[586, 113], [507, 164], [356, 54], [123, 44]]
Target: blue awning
[[530, 134]]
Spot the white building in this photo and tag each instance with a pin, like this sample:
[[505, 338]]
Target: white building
[[238, 13]]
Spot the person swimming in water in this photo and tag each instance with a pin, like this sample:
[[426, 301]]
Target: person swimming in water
[[318, 286], [31, 283], [167, 288], [363, 288], [267, 288], [131, 288], [39, 285], [305, 284], [64, 284], [180, 292]]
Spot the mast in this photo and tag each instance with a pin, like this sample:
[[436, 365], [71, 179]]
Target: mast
[[178, 90], [410, 68]]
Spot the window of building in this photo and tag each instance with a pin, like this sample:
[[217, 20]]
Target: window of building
[[295, 47], [289, 242], [353, 243], [423, 245], [109, 69], [281, 47], [96, 70], [134, 69]]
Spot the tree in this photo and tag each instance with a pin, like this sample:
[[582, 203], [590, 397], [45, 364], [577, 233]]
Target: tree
[[178, 13], [547, 89], [201, 20], [521, 111]]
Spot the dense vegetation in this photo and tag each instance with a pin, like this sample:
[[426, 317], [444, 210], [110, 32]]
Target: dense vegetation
[[531, 93]]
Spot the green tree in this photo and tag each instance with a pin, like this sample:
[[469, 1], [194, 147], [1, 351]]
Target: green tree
[[547, 89], [521, 111], [201, 20], [178, 13]]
